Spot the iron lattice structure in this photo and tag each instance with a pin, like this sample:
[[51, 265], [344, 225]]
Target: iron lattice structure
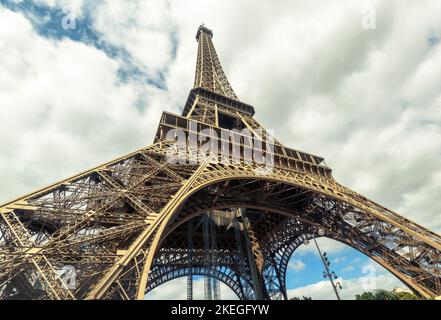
[[132, 224]]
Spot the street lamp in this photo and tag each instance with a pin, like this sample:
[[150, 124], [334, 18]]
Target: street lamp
[[328, 273]]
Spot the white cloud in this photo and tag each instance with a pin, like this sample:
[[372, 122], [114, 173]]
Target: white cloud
[[63, 108], [296, 265], [74, 7], [422, 203], [326, 245], [338, 260], [143, 28], [177, 290], [348, 268], [322, 290]]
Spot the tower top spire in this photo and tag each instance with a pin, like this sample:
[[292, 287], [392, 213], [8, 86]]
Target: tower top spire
[[204, 29], [209, 73]]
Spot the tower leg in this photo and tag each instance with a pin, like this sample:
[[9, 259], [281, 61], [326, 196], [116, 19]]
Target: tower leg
[[190, 260], [255, 259], [275, 283], [241, 261], [215, 286], [207, 256]]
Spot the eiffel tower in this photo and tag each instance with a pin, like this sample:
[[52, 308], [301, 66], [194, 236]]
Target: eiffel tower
[[125, 227]]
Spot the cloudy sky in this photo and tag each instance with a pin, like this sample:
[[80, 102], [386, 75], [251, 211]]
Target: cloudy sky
[[357, 82]]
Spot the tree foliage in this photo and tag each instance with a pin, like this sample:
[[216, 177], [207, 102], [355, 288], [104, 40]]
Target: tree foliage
[[303, 298], [386, 295]]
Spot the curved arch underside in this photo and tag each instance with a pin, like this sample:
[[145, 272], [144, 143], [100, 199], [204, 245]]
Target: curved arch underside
[[220, 275], [118, 238], [299, 211]]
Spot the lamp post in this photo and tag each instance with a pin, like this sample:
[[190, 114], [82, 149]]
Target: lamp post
[[327, 273]]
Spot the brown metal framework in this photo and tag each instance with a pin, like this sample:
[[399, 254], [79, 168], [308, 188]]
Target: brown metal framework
[[123, 226]]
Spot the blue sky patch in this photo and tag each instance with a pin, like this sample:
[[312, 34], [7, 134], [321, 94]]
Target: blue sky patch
[[347, 264], [48, 23]]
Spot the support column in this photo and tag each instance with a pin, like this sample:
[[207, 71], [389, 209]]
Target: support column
[[255, 258], [275, 275], [241, 261], [207, 256], [190, 261], [215, 286]]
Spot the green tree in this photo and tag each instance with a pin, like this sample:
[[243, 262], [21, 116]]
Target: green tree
[[365, 296], [303, 298], [407, 296], [382, 294]]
